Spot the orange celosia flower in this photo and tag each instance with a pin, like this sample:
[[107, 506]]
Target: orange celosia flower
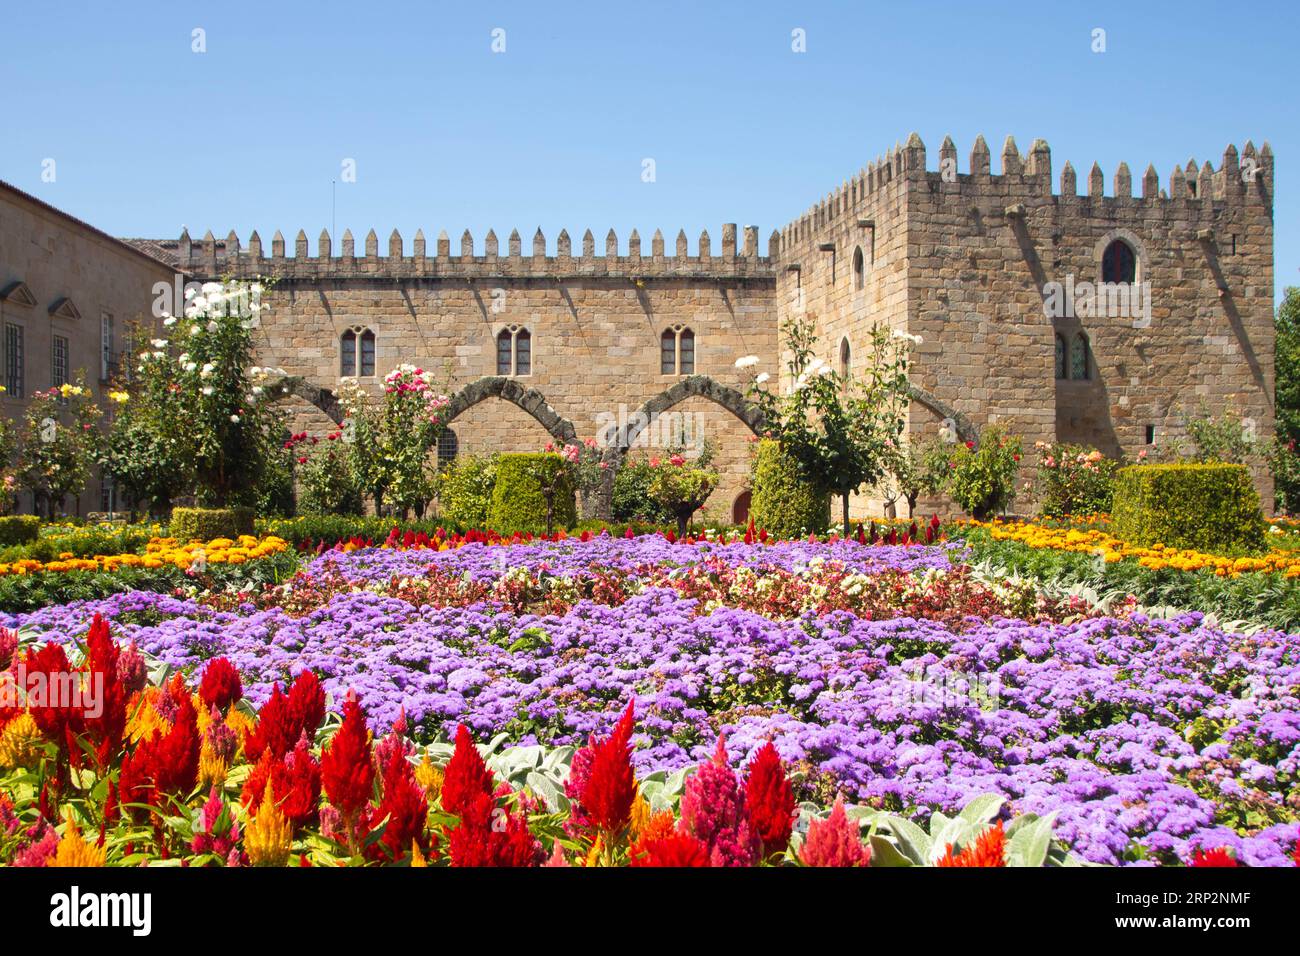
[[74, 851], [989, 849]]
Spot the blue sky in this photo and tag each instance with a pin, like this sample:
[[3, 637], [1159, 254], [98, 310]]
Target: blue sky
[[148, 135]]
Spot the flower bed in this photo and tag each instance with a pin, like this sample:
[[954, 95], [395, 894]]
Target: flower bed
[[1148, 739]]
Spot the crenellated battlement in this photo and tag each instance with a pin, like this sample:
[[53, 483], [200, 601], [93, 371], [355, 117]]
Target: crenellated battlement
[[210, 256], [1241, 177]]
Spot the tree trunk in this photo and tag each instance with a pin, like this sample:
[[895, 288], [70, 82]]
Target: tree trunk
[[845, 502]]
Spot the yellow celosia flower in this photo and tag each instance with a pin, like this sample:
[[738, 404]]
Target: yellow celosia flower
[[269, 836], [641, 814], [593, 855], [145, 720], [212, 769], [429, 778], [417, 858], [74, 851], [20, 742]]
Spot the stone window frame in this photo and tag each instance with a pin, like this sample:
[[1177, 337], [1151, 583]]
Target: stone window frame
[[678, 334], [515, 333], [356, 347], [858, 269], [1130, 239], [1078, 339], [1061, 358]]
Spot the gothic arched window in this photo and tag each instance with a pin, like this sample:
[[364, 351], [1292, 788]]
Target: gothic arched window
[[514, 351], [846, 359], [357, 352], [1079, 357], [1119, 263], [859, 269], [677, 351], [1060, 357]]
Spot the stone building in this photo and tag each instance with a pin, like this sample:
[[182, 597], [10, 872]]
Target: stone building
[[69, 296], [1104, 318]]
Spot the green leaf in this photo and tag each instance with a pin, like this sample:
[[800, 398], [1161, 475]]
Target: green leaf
[[982, 809], [1031, 841], [884, 853]]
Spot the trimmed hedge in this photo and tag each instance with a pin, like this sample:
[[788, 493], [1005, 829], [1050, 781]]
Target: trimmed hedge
[[784, 502], [1211, 507], [465, 490], [204, 524], [517, 500], [19, 529]]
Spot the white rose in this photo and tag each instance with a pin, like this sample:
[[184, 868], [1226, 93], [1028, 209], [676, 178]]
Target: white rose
[[210, 287], [191, 366], [212, 325], [207, 389], [747, 361], [762, 377], [235, 419]]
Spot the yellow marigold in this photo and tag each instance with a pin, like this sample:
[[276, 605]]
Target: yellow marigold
[[74, 851], [20, 742], [429, 778], [268, 837]]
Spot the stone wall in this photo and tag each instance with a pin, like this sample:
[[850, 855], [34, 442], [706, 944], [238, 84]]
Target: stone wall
[[595, 324], [61, 277]]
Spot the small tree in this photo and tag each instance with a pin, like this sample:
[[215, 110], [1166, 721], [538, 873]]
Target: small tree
[[919, 469], [838, 425], [391, 438], [150, 450], [681, 488], [981, 476], [328, 483], [60, 444], [8, 450]]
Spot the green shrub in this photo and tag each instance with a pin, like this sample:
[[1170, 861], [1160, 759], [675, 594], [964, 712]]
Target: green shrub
[[1074, 480], [518, 502], [784, 502], [312, 530], [981, 476], [1204, 507], [465, 490], [631, 500], [204, 524], [19, 529]]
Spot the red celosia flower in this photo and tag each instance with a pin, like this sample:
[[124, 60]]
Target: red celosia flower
[[283, 719], [220, 686], [834, 841], [306, 704], [466, 775], [611, 784], [1219, 856], [406, 807], [106, 728], [1295, 855], [770, 800], [989, 849], [676, 849], [165, 764], [274, 730], [489, 835], [713, 809], [295, 784], [346, 771]]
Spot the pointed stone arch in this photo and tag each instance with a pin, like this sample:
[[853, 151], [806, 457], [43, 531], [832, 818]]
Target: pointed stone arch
[[322, 398], [965, 430], [509, 390], [694, 386]]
